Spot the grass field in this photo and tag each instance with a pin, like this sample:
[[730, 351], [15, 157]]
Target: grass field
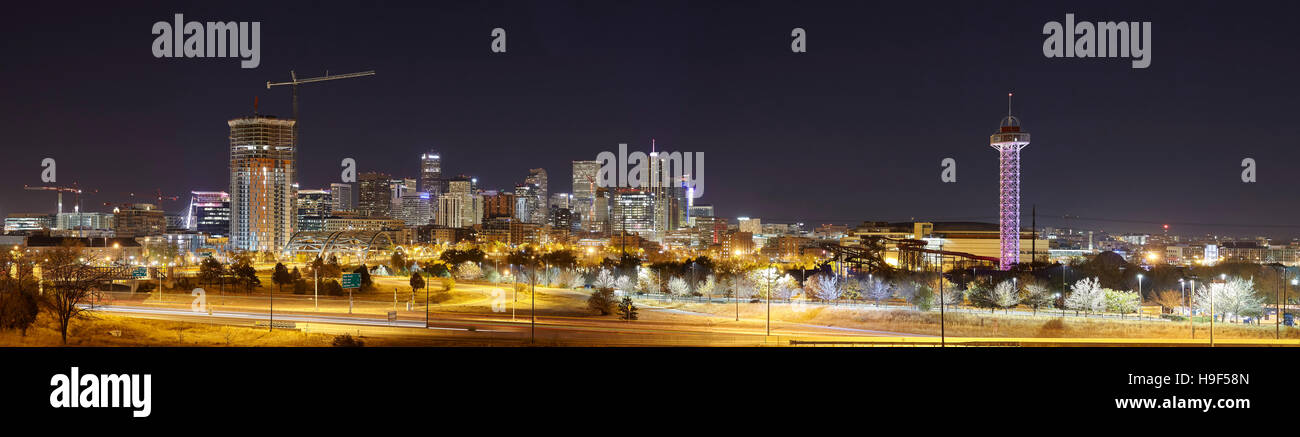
[[980, 324]]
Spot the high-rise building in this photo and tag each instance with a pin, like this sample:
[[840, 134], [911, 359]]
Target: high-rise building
[[497, 204], [750, 225], [139, 220], [313, 207], [537, 177], [527, 203], [584, 193], [1008, 142], [460, 185], [211, 213], [632, 211], [415, 209], [431, 173], [601, 214], [699, 210], [341, 198], [374, 194], [206, 199], [262, 171], [398, 188], [459, 210]]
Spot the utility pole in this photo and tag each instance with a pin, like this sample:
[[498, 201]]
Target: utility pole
[[943, 337]]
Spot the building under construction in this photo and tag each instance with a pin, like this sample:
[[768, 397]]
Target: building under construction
[[262, 171]]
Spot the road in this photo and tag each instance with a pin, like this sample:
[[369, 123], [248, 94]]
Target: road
[[488, 328]]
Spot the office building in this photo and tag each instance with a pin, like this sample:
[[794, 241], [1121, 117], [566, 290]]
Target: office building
[[341, 199], [313, 207], [374, 194]]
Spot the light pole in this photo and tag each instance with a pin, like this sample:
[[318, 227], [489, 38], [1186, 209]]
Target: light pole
[[770, 273], [1139, 305], [1190, 314], [1293, 284], [1223, 277]]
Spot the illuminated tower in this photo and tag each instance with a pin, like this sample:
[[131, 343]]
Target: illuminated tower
[[1008, 142]]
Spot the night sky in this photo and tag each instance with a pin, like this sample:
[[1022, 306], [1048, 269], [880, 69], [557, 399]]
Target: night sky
[[852, 130]]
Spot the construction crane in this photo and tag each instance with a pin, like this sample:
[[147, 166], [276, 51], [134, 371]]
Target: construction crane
[[76, 192], [60, 190], [293, 83]]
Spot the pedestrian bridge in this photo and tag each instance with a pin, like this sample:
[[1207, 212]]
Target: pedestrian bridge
[[358, 244]]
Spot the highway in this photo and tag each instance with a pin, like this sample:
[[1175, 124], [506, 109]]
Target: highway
[[491, 329]]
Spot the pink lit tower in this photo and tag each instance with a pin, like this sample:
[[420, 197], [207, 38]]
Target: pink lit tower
[[1008, 142]]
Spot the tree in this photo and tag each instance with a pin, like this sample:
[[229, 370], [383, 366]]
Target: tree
[[576, 281], [823, 286], [878, 290], [210, 270], [951, 297], [245, 274], [627, 309], [602, 301], [468, 270], [366, 283], [18, 309], [1235, 297], [678, 286], [707, 286], [1169, 300], [605, 279], [281, 276], [1122, 302], [1005, 295], [1086, 295], [1037, 295], [397, 262], [70, 284], [417, 282]]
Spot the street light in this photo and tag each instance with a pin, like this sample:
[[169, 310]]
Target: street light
[[1139, 306]]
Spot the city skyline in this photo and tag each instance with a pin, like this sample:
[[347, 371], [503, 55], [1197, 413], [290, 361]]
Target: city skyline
[[1135, 148]]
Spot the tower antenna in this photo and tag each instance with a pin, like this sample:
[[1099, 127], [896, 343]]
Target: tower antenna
[[1009, 104]]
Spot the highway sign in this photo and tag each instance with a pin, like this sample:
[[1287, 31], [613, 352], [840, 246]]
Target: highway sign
[[140, 272], [351, 280]]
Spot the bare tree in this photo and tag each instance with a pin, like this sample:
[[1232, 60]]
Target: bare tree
[[1169, 299], [70, 284], [679, 286], [1037, 295], [605, 279], [1005, 295]]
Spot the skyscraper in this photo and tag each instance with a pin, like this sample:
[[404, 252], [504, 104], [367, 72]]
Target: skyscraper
[[528, 203], [373, 194], [632, 210], [341, 198], [431, 181], [1008, 142], [537, 177], [262, 171], [431, 173], [584, 193]]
